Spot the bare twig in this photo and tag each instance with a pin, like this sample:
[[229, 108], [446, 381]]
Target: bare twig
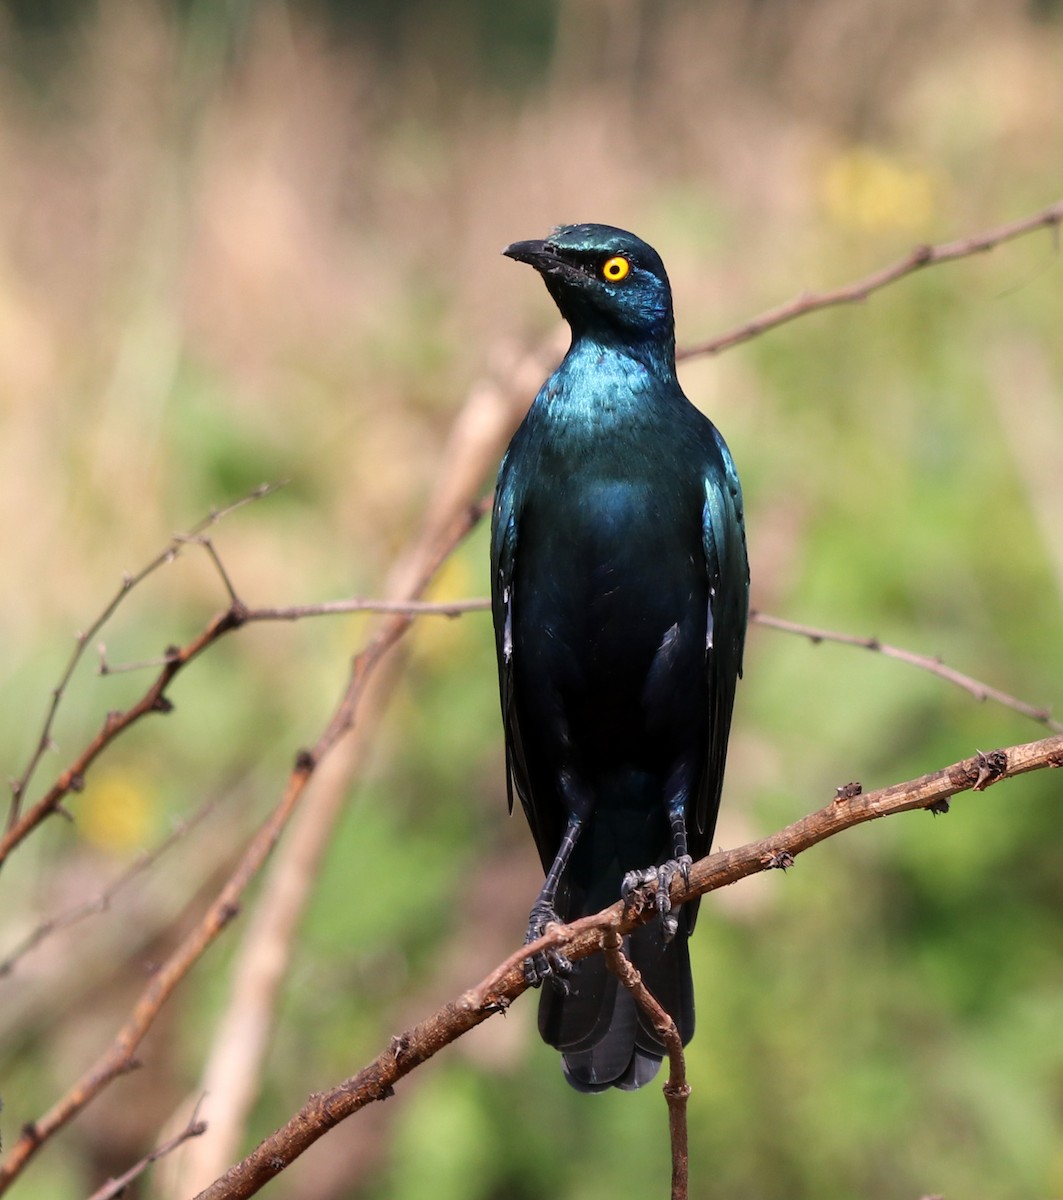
[[172, 550], [855, 293], [581, 938], [482, 421], [154, 700], [116, 1187], [119, 1058], [207, 543], [327, 608], [676, 1090], [421, 608], [242, 1035], [974, 687]]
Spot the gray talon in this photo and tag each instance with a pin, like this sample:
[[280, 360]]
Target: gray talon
[[662, 876], [551, 963], [634, 880]]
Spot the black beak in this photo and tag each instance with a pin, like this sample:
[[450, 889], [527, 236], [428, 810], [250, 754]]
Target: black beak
[[536, 253]]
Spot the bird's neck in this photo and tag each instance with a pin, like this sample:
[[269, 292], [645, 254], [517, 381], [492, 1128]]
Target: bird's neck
[[605, 389], [654, 353]]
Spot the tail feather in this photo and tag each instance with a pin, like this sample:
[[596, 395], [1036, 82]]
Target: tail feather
[[604, 1037]]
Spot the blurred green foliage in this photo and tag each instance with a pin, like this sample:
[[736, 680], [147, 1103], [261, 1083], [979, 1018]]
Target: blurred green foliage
[[257, 241]]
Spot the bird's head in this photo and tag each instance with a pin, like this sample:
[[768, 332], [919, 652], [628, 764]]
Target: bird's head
[[606, 282]]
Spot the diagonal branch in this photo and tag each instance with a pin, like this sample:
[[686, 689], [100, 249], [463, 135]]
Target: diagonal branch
[[129, 582], [120, 1056], [583, 937], [974, 687], [855, 293], [154, 700], [242, 1035]]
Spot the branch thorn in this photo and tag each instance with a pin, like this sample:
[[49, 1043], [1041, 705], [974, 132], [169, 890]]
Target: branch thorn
[[991, 767]]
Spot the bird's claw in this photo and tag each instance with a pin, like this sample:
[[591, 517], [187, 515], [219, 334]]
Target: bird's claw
[[550, 963], [662, 876], [633, 883]]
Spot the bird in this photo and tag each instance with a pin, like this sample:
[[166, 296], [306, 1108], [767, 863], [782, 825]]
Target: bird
[[620, 597]]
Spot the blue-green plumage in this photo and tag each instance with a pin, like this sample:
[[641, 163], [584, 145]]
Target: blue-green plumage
[[620, 594]]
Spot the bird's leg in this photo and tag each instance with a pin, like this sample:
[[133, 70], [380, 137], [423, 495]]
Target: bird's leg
[[552, 963], [679, 864]]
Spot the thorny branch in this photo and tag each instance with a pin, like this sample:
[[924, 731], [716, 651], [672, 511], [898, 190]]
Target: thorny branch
[[154, 699], [120, 1056], [115, 723], [172, 550], [408, 1050]]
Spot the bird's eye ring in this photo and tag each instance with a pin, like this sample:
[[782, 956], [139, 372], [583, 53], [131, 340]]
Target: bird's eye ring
[[616, 268]]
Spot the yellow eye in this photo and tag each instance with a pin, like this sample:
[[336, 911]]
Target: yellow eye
[[615, 269]]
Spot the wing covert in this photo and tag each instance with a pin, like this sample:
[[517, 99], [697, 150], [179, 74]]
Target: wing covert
[[727, 566]]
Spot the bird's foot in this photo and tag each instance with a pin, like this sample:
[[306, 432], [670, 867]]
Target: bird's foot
[[550, 963], [662, 876]]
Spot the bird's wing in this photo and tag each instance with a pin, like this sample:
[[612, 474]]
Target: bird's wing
[[724, 543], [503, 573], [546, 821], [503, 556]]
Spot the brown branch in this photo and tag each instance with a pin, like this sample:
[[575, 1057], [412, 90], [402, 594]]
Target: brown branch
[[212, 553], [129, 582], [119, 1057], [116, 1187], [676, 1090], [581, 938], [420, 608], [487, 419], [326, 608], [855, 293], [242, 1034], [116, 723], [974, 687], [176, 658]]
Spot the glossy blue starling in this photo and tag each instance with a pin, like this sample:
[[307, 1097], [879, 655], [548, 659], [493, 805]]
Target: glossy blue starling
[[620, 591]]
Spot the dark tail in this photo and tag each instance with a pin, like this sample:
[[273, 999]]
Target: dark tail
[[605, 1039]]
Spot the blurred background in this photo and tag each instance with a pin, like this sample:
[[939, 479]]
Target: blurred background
[[251, 240]]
